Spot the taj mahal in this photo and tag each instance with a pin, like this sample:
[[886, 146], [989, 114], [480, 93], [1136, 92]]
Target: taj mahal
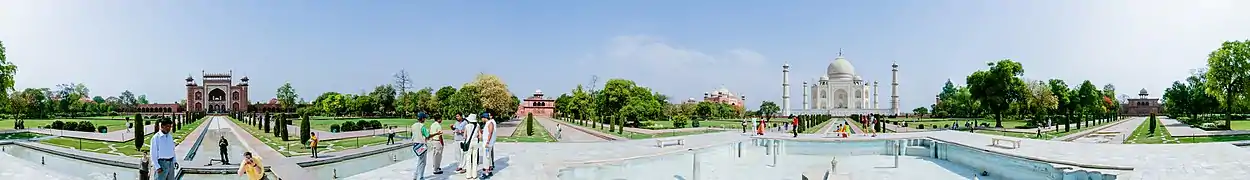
[[840, 92]]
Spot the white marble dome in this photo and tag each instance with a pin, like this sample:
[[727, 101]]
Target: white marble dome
[[841, 68]]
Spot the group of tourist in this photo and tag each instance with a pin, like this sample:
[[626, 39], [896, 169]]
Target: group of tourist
[[761, 125], [475, 140]]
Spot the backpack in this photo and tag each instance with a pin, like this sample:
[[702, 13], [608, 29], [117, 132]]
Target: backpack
[[464, 146]]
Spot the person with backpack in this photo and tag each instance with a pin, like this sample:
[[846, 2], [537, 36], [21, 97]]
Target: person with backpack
[[471, 147], [419, 148]]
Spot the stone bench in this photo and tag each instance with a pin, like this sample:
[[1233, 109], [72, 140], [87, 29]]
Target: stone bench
[[1000, 143], [672, 141]]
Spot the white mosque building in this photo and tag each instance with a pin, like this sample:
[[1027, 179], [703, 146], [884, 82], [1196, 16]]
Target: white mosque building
[[840, 92]]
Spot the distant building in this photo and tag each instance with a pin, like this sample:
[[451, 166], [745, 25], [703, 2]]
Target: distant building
[[537, 104], [1143, 105], [723, 96], [217, 94]]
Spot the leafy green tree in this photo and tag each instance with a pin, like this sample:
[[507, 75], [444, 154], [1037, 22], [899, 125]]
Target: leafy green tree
[[1228, 70], [465, 101], [1064, 100], [282, 125], [998, 87], [493, 94], [287, 96], [769, 109], [1112, 104], [143, 99], [331, 103], [1089, 100], [920, 111], [7, 72], [563, 105], [1040, 102], [1152, 124], [443, 96], [425, 100], [614, 96], [384, 97]]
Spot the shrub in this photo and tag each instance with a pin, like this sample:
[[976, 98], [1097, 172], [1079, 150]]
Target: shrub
[[85, 126], [375, 124], [363, 125], [694, 122], [334, 128], [102, 129], [348, 126], [1152, 123], [680, 121], [113, 114], [56, 125], [529, 124]]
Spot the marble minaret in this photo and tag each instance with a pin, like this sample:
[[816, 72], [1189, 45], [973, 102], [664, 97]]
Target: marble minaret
[[785, 89], [874, 96], [894, 104], [805, 95]]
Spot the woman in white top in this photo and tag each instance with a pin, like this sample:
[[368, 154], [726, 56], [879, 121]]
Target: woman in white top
[[469, 166]]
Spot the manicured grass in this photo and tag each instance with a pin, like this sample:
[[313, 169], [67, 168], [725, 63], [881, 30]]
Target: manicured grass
[[1045, 135], [112, 125], [1142, 134], [118, 148], [540, 134], [292, 147], [107, 117], [817, 128]]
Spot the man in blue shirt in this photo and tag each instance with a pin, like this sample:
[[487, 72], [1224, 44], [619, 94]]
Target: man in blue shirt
[[162, 151]]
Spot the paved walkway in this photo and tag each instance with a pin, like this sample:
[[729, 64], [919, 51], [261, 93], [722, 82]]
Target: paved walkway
[[1179, 129], [209, 149], [1087, 130], [276, 162], [188, 142], [567, 132], [1115, 134]]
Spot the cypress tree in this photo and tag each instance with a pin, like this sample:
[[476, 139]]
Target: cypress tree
[[283, 127], [138, 132], [529, 124], [1152, 123], [304, 129]]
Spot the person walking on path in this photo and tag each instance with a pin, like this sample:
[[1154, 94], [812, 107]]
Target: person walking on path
[[313, 144], [794, 127], [390, 135], [472, 144], [144, 164], [559, 131], [418, 129], [251, 167], [222, 144], [488, 144], [163, 151], [458, 130], [436, 144]]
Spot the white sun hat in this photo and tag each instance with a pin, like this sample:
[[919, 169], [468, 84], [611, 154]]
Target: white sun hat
[[472, 118]]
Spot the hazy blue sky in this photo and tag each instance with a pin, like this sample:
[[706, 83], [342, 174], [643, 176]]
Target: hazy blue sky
[[680, 48]]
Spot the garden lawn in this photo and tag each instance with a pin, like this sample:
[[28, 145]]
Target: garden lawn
[[817, 128], [1045, 135], [1142, 134], [112, 125], [293, 147], [118, 148], [540, 134]]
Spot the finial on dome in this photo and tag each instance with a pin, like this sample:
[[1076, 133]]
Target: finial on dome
[[839, 52]]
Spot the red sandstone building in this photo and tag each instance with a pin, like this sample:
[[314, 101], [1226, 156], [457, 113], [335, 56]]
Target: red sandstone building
[[217, 94], [723, 96], [538, 105], [1143, 105]]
